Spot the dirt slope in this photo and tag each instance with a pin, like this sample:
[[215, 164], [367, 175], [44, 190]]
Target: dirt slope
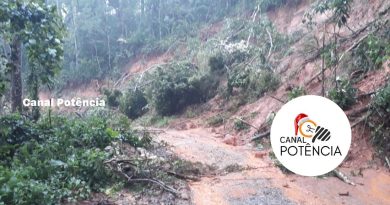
[[260, 182]]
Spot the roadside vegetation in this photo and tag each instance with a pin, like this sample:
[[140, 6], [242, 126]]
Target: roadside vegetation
[[227, 51]]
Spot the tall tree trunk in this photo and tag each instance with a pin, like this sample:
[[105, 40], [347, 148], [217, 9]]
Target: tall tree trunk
[[336, 58], [33, 89], [323, 63], [16, 76], [76, 49], [142, 9], [159, 19]]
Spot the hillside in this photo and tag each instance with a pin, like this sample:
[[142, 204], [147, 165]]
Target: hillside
[[191, 98]]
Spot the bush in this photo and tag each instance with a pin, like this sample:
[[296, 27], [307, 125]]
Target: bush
[[240, 125], [379, 123], [133, 104], [113, 97], [263, 81], [296, 92], [371, 53], [178, 85], [344, 94], [217, 63], [14, 131], [215, 121], [254, 83], [57, 162]]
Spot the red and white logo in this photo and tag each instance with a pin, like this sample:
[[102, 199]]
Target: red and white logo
[[310, 135]]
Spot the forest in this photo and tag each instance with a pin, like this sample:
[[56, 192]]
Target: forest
[[171, 101]]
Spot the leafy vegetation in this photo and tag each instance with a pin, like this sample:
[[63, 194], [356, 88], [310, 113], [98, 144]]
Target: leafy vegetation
[[380, 126], [216, 120], [343, 95], [228, 49], [133, 104], [177, 86], [296, 92], [56, 161], [38, 27], [239, 125], [103, 35], [340, 11], [112, 97], [371, 53], [216, 63]]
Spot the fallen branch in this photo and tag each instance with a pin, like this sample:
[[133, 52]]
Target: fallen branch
[[184, 177], [314, 77], [115, 165], [280, 100], [353, 46], [366, 94], [253, 20], [259, 136], [343, 177], [157, 182], [344, 194], [270, 39], [237, 118], [362, 119], [358, 112], [388, 162], [150, 130]]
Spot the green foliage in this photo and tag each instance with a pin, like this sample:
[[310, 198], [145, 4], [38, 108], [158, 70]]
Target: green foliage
[[216, 63], [371, 53], [160, 121], [39, 27], [14, 131], [3, 75], [133, 104], [215, 121], [240, 125], [378, 121], [178, 85], [58, 162], [339, 8], [296, 92], [329, 55], [255, 83], [104, 35], [344, 95], [113, 97], [263, 81]]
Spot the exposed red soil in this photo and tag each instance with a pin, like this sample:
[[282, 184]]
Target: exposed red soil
[[192, 140]]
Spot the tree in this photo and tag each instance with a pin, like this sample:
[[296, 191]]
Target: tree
[[37, 27]]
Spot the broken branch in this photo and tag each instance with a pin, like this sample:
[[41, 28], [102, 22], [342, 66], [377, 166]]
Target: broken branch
[[246, 123], [270, 39], [264, 134], [157, 182], [280, 100], [343, 177], [184, 177]]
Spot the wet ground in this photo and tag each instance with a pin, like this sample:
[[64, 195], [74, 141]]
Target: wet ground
[[260, 182]]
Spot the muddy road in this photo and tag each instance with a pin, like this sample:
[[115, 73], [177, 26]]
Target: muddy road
[[260, 182]]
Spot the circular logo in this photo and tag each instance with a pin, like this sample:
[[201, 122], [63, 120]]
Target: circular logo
[[310, 135]]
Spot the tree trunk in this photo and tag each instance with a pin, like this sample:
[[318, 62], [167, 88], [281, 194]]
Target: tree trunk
[[16, 76], [33, 83], [323, 63], [76, 49]]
